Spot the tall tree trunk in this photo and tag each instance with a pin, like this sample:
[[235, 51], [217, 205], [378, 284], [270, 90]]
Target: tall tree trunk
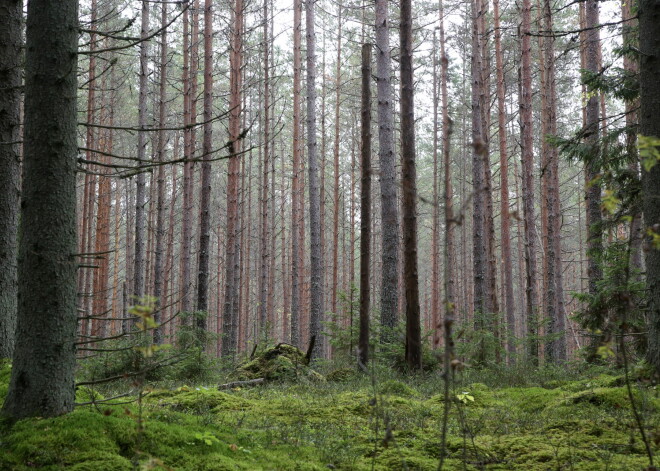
[[296, 190], [335, 225], [389, 203], [505, 225], [316, 257], [11, 16], [449, 253], [188, 150], [230, 310], [479, 161], [556, 348], [42, 376], [365, 208], [409, 186], [265, 227], [161, 205], [527, 159], [140, 188], [435, 225], [649, 45], [205, 190]]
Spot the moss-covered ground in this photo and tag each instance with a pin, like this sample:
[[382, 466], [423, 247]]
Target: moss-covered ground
[[505, 420]]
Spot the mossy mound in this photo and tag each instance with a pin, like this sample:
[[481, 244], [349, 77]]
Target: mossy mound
[[342, 375], [397, 388], [283, 362], [197, 400]]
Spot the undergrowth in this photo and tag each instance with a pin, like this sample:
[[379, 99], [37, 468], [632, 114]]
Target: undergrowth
[[545, 419]]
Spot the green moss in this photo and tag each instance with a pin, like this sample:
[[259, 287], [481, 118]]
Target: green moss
[[282, 362], [197, 400], [397, 388], [341, 375]]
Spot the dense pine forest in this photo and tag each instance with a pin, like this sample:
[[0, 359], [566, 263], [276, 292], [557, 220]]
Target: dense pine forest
[[329, 234]]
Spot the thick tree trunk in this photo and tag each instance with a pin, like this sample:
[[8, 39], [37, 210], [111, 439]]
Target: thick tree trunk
[[365, 207], [264, 313], [296, 190], [389, 202], [450, 248], [479, 188], [11, 15], [161, 205], [409, 186], [140, 188], [435, 224], [230, 310], [205, 190], [556, 349], [42, 377], [529, 212], [649, 45], [505, 226], [316, 257]]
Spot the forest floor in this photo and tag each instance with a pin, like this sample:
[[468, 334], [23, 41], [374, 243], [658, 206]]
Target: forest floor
[[500, 419]]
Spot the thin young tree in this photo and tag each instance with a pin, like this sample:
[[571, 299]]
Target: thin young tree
[[409, 188], [11, 14], [42, 377]]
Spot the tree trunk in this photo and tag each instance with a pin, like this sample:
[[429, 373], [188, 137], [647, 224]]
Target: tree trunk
[[479, 161], [296, 199], [11, 16], [505, 226], [389, 202], [161, 205], [365, 208], [556, 348], [230, 310], [316, 257], [527, 159], [409, 186], [265, 227], [205, 190], [649, 45], [42, 377], [140, 188]]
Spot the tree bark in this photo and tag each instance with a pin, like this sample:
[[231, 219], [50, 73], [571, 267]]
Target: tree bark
[[42, 377], [389, 202], [205, 190], [527, 159], [556, 348], [649, 45], [365, 208], [505, 225], [296, 190], [316, 257], [161, 205], [140, 187], [11, 16], [230, 310], [409, 186]]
